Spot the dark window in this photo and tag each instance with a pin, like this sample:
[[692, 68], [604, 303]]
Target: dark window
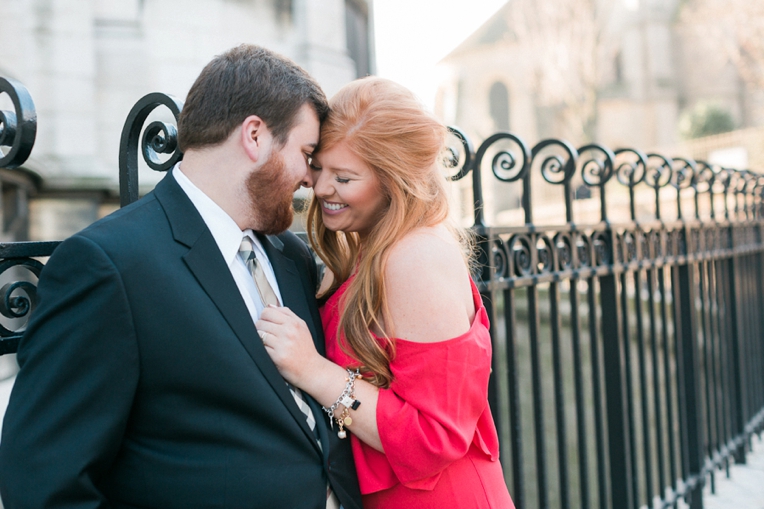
[[618, 67], [499, 104], [357, 32], [582, 192], [283, 10]]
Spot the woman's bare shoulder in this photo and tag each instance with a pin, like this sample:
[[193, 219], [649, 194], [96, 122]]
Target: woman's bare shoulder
[[427, 285], [424, 247]]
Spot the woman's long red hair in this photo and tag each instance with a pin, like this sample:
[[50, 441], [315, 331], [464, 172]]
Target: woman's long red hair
[[385, 126]]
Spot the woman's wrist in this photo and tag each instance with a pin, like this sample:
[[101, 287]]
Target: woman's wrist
[[322, 379]]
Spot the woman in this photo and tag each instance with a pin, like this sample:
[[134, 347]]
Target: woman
[[400, 308]]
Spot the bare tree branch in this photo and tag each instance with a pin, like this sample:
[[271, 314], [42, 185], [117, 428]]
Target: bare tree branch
[[734, 26]]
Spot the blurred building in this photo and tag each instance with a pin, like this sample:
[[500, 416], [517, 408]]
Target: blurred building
[[638, 64], [86, 63]]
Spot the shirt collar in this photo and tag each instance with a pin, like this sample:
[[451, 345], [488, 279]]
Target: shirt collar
[[224, 229]]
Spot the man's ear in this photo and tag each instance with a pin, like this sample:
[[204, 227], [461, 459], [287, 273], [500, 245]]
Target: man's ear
[[254, 137]]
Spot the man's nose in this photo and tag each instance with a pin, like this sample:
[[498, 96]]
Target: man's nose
[[307, 179]]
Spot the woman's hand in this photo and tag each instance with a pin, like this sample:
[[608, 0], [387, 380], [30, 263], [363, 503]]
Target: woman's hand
[[288, 341]]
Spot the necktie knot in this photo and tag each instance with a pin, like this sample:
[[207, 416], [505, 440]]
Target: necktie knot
[[264, 288], [246, 249]]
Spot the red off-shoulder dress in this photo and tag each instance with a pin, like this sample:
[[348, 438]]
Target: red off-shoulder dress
[[440, 441]]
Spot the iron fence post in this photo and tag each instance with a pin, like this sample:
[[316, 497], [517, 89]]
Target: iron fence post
[[687, 337], [737, 361], [616, 398]]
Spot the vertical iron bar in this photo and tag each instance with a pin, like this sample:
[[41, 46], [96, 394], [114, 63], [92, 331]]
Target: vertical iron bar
[[621, 479], [510, 317], [705, 359], [668, 380], [737, 401], [723, 359], [575, 327], [679, 375], [559, 394], [690, 378], [489, 303], [751, 339], [599, 427], [538, 403], [645, 400], [750, 343], [728, 395], [760, 331], [477, 196], [656, 385], [737, 364], [624, 300], [715, 356], [754, 330]]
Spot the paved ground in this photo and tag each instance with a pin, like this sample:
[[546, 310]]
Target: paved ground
[[745, 487]]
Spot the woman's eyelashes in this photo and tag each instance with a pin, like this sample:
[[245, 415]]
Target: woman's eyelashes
[[314, 167]]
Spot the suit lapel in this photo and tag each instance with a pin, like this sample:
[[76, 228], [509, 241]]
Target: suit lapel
[[207, 265], [293, 291]]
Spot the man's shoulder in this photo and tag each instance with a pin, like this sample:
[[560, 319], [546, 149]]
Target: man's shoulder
[[291, 244], [126, 227]]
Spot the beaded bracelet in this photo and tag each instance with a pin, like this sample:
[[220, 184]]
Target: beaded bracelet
[[347, 400]]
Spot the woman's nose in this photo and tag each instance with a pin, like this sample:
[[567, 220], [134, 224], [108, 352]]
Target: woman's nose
[[318, 183]]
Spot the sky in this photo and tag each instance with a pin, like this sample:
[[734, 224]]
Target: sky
[[411, 36]]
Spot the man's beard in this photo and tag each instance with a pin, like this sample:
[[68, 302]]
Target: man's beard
[[271, 192]]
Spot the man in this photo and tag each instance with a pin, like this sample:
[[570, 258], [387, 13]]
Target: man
[[143, 380]]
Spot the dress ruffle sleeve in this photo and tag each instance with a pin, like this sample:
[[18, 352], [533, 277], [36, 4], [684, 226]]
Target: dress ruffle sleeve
[[433, 412]]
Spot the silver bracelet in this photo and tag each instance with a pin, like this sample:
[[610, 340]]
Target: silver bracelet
[[347, 398]]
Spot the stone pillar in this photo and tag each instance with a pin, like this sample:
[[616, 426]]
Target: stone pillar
[[322, 51]]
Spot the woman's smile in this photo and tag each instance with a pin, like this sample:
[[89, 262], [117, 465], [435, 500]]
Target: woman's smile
[[333, 208]]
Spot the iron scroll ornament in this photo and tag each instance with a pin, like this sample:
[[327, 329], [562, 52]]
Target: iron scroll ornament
[[596, 171], [684, 173], [630, 166], [452, 156], [504, 164], [702, 183], [158, 138], [507, 165], [554, 168], [17, 298], [18, 129]]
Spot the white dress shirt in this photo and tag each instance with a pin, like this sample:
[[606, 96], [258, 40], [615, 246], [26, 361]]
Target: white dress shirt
[[228, 237]]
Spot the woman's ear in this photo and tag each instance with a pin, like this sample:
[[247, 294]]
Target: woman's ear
[[254, 137]]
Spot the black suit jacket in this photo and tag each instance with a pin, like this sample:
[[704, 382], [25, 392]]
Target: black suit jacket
[[143, 381]]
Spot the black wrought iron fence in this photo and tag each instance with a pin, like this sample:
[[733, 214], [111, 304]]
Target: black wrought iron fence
[[628, 356]]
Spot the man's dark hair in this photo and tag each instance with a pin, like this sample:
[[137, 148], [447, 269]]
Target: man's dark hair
[[243, 81]]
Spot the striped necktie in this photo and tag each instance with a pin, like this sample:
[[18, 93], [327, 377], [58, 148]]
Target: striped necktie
[[268, 297]]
